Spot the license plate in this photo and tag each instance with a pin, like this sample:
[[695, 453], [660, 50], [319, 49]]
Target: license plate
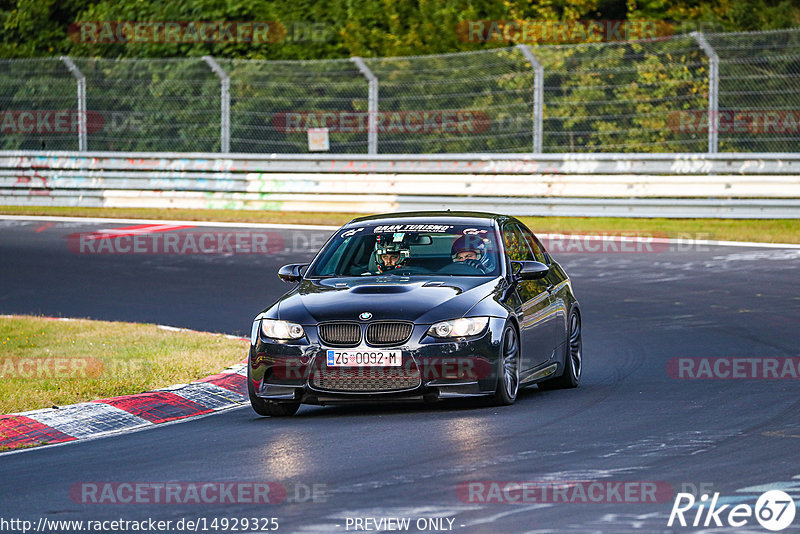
[[364, 358]]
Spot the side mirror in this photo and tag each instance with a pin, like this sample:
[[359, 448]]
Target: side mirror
[[529, 270], [291, 272]]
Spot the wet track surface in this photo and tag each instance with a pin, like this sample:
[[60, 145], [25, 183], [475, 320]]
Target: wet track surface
[[629, 421]]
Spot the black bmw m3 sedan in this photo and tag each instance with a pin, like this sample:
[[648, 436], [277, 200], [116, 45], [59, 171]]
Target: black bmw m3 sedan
[[417, 306]]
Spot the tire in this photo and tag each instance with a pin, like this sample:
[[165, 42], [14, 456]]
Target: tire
[[275, 409], [270, 408], [571, 376], [507, 369]]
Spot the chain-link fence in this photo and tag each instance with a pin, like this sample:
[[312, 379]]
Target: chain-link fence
[[718, 92], [759, 73]]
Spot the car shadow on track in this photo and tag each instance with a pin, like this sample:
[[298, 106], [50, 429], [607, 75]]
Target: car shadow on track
[[467, 404]]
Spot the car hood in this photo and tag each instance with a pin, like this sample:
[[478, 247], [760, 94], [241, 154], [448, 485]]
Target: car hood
[[423, 301]]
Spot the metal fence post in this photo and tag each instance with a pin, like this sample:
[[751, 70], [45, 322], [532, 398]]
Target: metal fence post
[[538, 96], [225, 104], [73, 68], [713, 91], [372, 104]]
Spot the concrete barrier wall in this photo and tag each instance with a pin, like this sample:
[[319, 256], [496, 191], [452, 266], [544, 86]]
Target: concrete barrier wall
[[639, 185]]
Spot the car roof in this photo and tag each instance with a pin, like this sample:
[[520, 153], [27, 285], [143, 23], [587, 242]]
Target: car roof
[[462, 217]]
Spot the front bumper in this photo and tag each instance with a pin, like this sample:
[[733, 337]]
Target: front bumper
[[296, 371]]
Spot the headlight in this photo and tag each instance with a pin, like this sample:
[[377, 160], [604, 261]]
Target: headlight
[[254, 332], [281, 329], [467, 326]]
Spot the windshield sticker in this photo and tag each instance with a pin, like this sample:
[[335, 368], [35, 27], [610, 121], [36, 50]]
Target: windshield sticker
[[474, 231], [395, 228], [352, 232], [398, 237]]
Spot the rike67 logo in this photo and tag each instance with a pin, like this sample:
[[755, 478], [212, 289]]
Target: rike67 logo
[[774, 510]]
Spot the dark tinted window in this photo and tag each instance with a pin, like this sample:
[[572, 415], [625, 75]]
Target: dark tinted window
[[535, 246], [517, 247]]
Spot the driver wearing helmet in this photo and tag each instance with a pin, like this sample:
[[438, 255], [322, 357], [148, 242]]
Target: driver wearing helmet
[[390, 253], [470, 250]]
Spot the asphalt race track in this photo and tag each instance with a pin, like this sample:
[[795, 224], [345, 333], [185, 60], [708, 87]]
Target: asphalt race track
[[630, 421]]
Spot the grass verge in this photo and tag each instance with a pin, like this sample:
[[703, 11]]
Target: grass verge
[[761, 230], [46, 362], [241, 216]]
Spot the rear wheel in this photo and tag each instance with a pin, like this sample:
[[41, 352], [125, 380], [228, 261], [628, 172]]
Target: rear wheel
[[268, 407], [574, 360], [508, 369]]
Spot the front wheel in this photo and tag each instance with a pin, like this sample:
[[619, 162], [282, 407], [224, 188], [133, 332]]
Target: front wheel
[[507, 369], [276, 409], [574, 360], [270, 408]]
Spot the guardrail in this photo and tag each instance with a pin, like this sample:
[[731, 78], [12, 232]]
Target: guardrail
[[616, 185]]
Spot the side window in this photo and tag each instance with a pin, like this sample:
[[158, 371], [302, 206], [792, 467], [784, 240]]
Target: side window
[[516, 245], [538, 251]]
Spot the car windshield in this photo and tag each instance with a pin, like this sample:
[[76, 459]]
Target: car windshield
[[409, 250]]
